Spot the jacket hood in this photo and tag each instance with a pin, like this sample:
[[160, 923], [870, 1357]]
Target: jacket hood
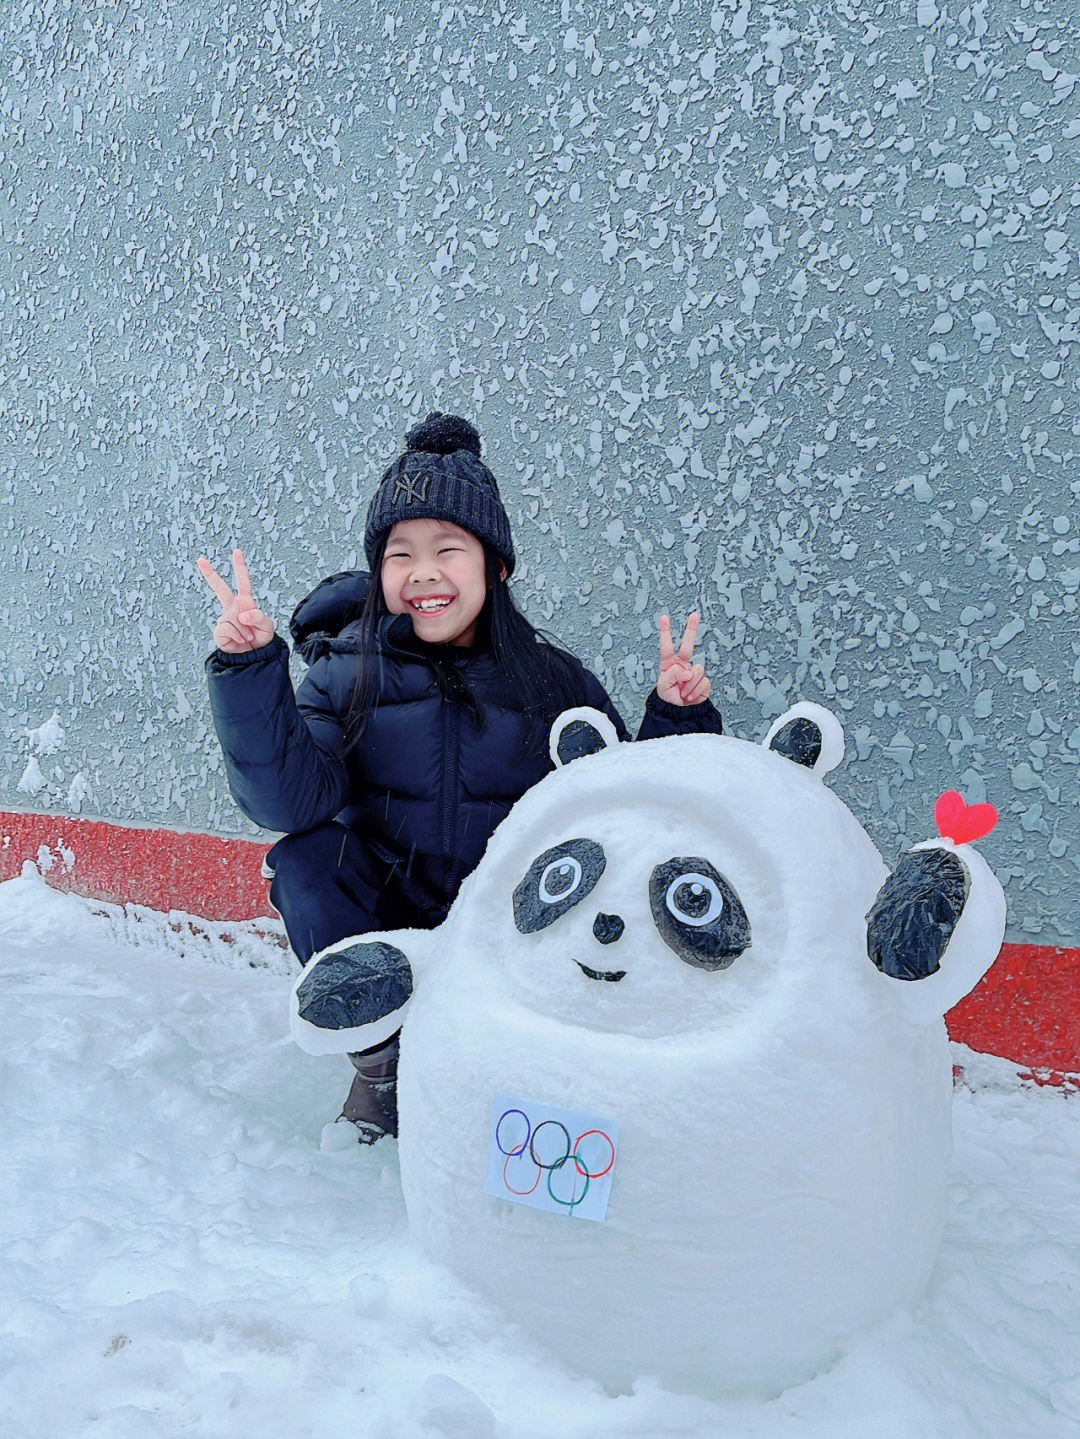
[[332, 605]]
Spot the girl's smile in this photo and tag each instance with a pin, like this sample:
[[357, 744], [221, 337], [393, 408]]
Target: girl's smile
[[433, 571]]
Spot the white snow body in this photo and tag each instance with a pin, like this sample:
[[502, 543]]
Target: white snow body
[[784, 1127]]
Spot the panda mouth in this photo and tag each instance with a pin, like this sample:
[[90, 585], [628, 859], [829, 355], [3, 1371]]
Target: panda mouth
[[612, 976]]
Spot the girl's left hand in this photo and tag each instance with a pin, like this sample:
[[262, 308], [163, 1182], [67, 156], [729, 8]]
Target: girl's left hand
[[679, 681]]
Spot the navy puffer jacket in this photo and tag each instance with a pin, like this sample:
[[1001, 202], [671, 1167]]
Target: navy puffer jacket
[[425, 786]]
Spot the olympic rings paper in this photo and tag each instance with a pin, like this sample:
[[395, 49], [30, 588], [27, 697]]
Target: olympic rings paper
[[558, 1160]]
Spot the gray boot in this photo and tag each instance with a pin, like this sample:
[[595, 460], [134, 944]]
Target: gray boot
[[371, 1103]]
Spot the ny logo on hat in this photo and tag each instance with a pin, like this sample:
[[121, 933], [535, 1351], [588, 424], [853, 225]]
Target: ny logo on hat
[[411, 488]]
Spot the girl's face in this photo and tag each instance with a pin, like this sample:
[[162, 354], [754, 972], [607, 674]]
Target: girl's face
[[433, 571]]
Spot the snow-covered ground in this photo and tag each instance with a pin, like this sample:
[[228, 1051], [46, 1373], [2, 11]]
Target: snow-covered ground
[[188, 1247]]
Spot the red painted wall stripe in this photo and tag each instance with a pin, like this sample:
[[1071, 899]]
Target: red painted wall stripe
[[161, 868], [1026, 1009]]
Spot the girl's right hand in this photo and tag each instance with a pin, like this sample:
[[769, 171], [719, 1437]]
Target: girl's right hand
[[241, 626]]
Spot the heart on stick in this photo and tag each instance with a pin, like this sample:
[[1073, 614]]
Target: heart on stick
[[963, 822]]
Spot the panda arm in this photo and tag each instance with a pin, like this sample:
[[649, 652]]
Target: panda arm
[[935, 928], [354, 994]]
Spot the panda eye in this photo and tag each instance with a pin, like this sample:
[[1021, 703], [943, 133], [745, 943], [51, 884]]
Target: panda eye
[[559, 879], [555, 881], [694, 899], [698, 913]]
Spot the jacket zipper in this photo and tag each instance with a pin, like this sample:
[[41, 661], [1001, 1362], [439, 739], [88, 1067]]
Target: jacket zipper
[[451, 734]]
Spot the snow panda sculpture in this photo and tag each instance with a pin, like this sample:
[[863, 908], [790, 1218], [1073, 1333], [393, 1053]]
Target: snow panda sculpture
[[694, 940]]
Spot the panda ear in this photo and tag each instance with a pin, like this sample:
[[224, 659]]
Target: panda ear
[[810, 735], [936, 927], [579, 732]]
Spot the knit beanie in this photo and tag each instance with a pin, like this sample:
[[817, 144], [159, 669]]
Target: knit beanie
[[440, 476]]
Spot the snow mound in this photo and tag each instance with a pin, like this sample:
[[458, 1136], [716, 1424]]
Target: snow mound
[[180, 1257]]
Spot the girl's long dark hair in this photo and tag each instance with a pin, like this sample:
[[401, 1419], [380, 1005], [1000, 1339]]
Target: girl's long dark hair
[[545, 678]]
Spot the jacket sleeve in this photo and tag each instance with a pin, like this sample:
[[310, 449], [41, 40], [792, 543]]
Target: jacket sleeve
[[597, 698], [660, 719], [284, 752]]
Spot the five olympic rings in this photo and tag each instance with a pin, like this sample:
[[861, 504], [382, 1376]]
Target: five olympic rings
[[551, 1150]]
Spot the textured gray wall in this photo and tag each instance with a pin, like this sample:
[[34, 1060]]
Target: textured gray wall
[[771, 309]]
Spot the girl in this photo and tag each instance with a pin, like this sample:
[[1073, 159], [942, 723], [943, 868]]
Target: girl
[[423, 717]]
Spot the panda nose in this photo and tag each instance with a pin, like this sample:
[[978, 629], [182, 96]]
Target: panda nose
[[607, 928]]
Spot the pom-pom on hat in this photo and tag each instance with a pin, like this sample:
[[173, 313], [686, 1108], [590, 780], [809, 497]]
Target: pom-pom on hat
[[440, 476]]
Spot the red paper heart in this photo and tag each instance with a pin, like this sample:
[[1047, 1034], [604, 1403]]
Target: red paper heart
[[962, 822]]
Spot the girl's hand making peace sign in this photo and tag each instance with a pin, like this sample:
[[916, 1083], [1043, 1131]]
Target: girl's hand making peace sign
[[241, 626], [679, 681]]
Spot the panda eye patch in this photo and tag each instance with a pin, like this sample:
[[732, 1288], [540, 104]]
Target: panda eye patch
[[557, 880], [698, 913]]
